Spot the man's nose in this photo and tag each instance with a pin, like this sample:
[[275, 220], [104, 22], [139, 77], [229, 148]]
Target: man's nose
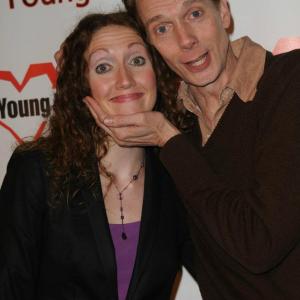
[[185, 36]]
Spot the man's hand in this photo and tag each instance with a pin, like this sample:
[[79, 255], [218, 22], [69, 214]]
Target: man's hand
[[139, 129], [58, 57]]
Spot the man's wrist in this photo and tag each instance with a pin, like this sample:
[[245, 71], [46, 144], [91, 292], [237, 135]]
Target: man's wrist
[[168, 132]]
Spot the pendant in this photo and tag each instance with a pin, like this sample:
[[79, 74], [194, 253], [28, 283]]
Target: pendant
[[124, 236]]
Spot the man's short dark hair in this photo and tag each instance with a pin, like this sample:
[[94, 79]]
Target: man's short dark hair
[[132, 8]]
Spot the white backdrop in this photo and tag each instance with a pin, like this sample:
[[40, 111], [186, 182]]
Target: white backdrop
[[32, 30]]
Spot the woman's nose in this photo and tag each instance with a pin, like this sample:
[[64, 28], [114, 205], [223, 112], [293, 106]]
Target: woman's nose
[[125, 78]]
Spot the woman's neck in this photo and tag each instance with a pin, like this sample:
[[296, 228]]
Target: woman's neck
[[123, 162]]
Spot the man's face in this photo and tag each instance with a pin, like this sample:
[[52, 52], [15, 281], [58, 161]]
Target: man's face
[[190, 35]]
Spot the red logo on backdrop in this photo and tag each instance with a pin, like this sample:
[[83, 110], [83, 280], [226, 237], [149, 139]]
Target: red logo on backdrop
[[27, 107], [33, 3], [33, 71]]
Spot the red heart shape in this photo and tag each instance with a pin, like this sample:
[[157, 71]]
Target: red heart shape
[[38, 133]]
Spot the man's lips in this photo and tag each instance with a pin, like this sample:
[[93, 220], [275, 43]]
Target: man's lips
[[127, 97], [198, 64]]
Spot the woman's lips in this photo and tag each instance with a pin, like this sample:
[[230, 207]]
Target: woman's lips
[[198, 64], [127, 97]]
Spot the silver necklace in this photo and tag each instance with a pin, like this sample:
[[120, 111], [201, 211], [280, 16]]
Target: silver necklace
[[134, 178]]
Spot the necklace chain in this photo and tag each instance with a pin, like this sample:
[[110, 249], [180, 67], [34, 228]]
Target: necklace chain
[[120, 194]]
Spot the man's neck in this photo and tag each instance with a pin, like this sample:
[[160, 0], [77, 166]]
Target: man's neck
[[208, 97]]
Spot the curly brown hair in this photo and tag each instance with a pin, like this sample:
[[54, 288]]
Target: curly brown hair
[[73, 143], [131, 8]]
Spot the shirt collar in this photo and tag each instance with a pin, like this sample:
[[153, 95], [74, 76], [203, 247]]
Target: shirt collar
[[249, 69]]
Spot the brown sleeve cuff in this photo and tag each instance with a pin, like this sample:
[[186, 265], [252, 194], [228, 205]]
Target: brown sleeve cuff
[[186, 165]]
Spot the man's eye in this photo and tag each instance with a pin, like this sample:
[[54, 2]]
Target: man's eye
[[138, 61], [102, 68], [196, 14], [161, 29]]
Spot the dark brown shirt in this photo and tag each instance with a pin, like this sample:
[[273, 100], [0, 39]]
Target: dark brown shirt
[[242, 190]]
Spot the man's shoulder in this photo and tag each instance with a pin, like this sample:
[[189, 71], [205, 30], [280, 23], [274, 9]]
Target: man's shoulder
[[288, 60], [281, 68]]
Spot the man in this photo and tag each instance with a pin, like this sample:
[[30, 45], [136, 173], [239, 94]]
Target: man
[[238, 170]]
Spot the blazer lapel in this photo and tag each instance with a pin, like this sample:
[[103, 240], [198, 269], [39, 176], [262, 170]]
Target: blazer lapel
[[100, 227], [149, 221]]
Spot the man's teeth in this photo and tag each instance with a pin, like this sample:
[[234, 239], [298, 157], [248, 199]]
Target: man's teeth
[[199, 62]]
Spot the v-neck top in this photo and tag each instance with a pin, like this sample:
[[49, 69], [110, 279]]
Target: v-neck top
[[125, 252]]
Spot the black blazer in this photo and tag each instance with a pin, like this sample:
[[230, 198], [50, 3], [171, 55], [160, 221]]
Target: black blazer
[[70, 254]]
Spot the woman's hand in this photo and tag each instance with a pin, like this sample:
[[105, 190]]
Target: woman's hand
[[139, 129]]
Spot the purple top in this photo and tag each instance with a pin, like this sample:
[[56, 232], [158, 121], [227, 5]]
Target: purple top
[[125, 252]]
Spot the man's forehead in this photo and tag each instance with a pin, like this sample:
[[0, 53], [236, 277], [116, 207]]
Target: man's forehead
[[154, 10], [189, 2], [160, 3]]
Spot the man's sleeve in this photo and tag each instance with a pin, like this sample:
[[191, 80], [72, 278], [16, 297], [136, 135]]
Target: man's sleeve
[[258, 226]]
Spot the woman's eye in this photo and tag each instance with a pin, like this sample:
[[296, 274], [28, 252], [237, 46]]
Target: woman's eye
[[138, 61], [102, 68]]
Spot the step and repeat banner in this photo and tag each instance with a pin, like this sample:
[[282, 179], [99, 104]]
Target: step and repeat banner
[[32, 30]]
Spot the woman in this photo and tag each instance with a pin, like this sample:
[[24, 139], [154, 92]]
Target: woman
[[81, 217]]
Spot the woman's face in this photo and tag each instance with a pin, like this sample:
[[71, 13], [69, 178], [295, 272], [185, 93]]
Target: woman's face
[[120, 73]]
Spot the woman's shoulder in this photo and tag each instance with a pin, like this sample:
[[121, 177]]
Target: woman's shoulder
[[27, 164], [25, 181], [26, 158]]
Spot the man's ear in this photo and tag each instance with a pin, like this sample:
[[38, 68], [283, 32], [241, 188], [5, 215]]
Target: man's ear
[[225, 13]]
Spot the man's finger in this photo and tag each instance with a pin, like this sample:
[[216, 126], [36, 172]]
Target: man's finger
[[95, 107], [137, 120]]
